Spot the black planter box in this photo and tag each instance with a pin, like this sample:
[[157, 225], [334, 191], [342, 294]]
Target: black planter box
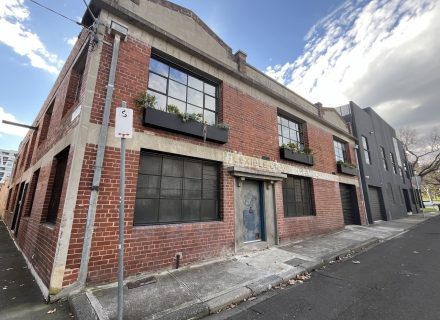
[[346, 170], [172, 122], [297, 157]]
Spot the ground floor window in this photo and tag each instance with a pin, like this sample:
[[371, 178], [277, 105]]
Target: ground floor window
[[174, 189], [297, 196]]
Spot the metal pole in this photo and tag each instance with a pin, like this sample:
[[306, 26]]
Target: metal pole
[[121, 234]]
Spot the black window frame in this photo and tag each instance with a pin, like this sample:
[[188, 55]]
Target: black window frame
[[393, 163], [290, 185], [141, 218], [366, 150], [289, 124], [189, 73], [384, 158], [343, 144]]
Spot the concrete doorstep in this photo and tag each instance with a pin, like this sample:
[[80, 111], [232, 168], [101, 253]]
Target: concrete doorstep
[[196, 291]]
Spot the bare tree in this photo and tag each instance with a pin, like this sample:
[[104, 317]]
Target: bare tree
[[423, 152]]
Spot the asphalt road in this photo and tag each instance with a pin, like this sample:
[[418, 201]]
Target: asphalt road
[[398, 279]]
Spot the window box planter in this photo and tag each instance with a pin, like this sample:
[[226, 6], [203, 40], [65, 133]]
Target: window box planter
[[297, 157], [346, 170], [172, 122]]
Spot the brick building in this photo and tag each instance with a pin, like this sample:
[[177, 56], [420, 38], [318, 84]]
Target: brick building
[[219, 161]]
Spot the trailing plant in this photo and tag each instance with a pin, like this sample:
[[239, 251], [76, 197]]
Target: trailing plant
[[223, 126], [145, 100], [192, 116], [346, 164]]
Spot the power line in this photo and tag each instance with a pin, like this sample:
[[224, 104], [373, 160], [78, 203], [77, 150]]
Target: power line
[[90, 11], [58, 13]]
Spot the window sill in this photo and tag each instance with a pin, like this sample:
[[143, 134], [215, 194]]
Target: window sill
[[175, 224], [172, 122], [297, 157]]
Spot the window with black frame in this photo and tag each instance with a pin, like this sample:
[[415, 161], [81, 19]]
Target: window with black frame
[[176, 89], [393, 163], [384, 158], [297, 196], [290, 131], [173, 189], [340, 150], [366, 151]]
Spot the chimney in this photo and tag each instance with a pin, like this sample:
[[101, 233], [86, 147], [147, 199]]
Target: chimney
[[240, 58], [318, 105]]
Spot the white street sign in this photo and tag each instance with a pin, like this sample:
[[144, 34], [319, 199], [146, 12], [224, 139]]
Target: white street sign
[[124, 123]]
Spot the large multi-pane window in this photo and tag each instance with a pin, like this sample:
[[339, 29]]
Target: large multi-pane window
[[366, 152], [340, 150], [384, 158], [393, 163], [290, 131], [297, 196], [176, 88], [175, 189]]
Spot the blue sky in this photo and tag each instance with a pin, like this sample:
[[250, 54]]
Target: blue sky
[[378, 53]]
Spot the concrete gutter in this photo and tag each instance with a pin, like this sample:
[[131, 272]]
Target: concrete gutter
[[208, 288]]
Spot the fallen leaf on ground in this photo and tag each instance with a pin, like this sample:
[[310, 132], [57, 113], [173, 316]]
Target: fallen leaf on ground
[[252, 298], [415, 251], [52, 311], [356, 261]]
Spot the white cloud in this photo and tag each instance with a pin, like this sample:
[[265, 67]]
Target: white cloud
[[9, 129], [71, 41], [378, 53], [14, 34]]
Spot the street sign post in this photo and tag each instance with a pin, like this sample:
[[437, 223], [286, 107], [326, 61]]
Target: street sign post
[[123, 130]]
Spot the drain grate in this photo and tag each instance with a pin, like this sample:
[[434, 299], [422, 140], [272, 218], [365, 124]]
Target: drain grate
[[141, 282]]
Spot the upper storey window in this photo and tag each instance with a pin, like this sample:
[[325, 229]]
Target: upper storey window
[[290, 131], [177, 90], [340, 150]]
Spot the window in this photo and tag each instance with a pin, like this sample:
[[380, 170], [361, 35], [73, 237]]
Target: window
[[297, 196], [75, 82], [33, 189], [384, 158], [175, 189], [290, 131], [366, 152], [45, 122], [59, 167], [391, 192], [188, 93], [393, 163], [340, 151]]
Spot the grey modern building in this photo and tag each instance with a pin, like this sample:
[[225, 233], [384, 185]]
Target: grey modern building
[[384, 169], [7, 158]]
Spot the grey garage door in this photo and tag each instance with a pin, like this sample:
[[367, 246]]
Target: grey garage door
[[349, 204], [376, 204]]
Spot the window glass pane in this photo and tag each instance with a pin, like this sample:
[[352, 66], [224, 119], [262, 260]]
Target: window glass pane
[[284, 122], [192, 188], [280, 140], [177, 103], [192, 169], [148, 186], [195, 83], [209, 117], [172, 167], [209, 209], [210, 171], [178, 75], [209, 102], [159, 67], [193, 109], [210, 89], [150, 164], [210, 190], [147, 211], [195, 97], [158, 83], [170, 210], [171, 187], [161, 100], [177, 90], [279, 129], [191, 210]]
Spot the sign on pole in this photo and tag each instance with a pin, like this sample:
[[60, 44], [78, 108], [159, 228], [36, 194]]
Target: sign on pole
[[123, 130], [124, 122]]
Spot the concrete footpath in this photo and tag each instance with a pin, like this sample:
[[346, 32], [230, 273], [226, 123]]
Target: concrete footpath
[[197, 291], [20, 296]]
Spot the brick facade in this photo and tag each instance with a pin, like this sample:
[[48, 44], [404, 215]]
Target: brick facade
[[253, 132]]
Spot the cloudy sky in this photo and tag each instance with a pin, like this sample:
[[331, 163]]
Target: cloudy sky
[[383, 54]]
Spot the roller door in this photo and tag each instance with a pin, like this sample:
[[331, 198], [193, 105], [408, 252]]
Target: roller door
[[376, 204], [349, 204]]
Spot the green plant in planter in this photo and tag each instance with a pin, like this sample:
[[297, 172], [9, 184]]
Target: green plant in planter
[[345, 164], [171, 108], [145, 100], [296, 147], [192, 116], [223, 126]]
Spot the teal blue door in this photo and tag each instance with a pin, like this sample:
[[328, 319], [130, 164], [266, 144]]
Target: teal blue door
[[252, 214]]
